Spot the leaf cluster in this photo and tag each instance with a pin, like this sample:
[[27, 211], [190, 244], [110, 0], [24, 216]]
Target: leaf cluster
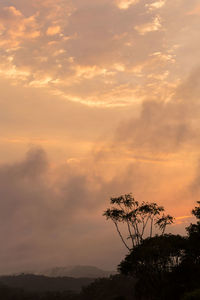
[[140, 219]]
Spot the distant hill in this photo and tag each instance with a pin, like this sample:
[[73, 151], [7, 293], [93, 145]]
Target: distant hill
[[40, 283], [77, 272]]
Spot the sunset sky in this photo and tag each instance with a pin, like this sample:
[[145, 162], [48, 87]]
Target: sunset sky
[[98, 98]]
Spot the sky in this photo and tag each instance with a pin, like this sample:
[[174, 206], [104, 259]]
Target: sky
[[98, 98]]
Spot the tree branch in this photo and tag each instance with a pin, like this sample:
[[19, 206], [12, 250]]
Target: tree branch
[[121, 236]]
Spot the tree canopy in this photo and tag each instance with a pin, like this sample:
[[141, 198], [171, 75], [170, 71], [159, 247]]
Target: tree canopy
[[140, 219]]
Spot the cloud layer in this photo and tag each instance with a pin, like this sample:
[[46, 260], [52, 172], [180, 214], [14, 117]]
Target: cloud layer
[[48, 213], [107, 53], [108, 91]]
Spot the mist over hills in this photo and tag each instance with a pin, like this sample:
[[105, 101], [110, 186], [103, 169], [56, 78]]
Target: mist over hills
[[76, 272], [71, 278]]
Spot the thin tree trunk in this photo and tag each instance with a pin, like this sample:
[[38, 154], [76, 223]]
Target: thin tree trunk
[[121, 236], [135, 232], [127, 221], [144, 226], [164, 227], [151, 230], [130, 233], [138, 233]]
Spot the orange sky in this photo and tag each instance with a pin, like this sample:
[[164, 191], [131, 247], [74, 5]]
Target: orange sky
[[98, 98]]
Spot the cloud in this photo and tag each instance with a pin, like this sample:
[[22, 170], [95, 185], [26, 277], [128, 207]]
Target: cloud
[[72, 49], [32, 210], [50, 212], [149, 27], [125, 4], [165, 127], [53, 30], [15, 28], [194, 186], [159, 129]]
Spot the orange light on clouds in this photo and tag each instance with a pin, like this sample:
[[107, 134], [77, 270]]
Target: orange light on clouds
[[53, 30], [106, 92], [195, 11], [125, 4]]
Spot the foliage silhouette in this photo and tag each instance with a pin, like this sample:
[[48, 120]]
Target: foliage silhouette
[[11, 293], [166, 266], [194, 295], [158, 254], [139, 219], [117, 287]]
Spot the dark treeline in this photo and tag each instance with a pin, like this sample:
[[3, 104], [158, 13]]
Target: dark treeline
[[159, 267], [116, 287], [11, 293], [40, 283]]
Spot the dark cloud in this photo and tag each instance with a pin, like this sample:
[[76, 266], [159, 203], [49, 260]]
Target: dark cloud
[[160, 128], [47, 214], [165, 127], [33, 210], [194, 186]]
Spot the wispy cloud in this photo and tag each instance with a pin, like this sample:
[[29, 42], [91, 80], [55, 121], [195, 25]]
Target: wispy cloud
[[72, 48]]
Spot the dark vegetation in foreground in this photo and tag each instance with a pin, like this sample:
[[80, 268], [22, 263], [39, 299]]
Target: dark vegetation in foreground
[[159, 267], [39, 283]]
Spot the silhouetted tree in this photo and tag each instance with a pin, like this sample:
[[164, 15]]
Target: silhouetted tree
[[194, 295], [193, 251], [166, 266], [139, 219], [152, 263], [159, 254], [117, 287]]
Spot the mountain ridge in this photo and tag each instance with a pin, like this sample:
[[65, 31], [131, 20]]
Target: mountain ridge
[[77, 271]]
